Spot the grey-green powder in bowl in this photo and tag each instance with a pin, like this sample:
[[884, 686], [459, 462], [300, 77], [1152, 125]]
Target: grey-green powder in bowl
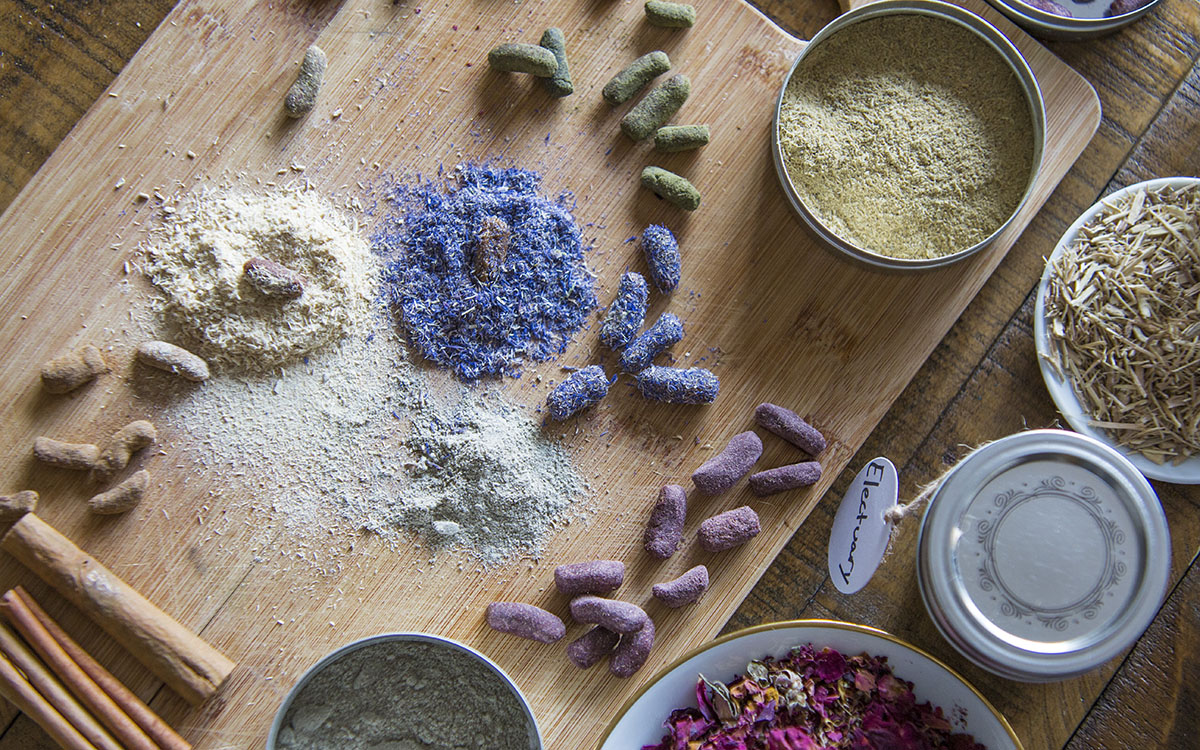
[[401, 693], [907, 135]]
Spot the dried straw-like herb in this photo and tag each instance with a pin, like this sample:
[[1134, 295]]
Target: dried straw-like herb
[[1123, 310]]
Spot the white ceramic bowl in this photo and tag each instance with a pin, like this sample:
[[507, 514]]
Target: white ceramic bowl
[[641, 721], [1187, 472]]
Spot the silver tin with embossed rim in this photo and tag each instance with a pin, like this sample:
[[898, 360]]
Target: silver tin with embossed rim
[[1053, 26], [436, 641], [996, 41], [1043, 555]]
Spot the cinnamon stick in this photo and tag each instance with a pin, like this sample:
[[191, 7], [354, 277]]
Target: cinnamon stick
[[150, 722], [84, 688], [30, 702], [53, 691], [176, 655]]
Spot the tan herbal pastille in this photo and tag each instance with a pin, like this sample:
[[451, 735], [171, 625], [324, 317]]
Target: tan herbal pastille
[[907, 135]]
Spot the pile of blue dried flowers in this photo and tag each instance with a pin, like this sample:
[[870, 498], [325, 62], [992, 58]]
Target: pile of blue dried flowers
[[482, 271]]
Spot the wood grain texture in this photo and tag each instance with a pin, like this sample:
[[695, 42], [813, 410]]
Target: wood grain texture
[[1153, 700], [850, 328], [57, 60], [1141, 67]]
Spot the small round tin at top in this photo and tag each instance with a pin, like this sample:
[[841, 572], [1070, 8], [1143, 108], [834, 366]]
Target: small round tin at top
[[1043, 555], [1073, 19], [877, 211]]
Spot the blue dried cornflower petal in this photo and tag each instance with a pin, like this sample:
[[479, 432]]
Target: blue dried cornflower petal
[[541, 294], [627, 312], [666, 331], [583, 388], [662, 255], [694, 385]]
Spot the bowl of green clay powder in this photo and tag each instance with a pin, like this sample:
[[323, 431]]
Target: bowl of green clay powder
[[404, 690], [908, 134]]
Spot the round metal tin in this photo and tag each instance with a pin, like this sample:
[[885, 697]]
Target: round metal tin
[[535, 734], [1089, 20], [1043, 555], [947, 12]]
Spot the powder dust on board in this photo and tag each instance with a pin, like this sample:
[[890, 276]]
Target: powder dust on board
[[318, 411], [356, 439]]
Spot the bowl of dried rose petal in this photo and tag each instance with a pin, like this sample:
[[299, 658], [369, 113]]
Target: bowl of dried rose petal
[[802, 683]]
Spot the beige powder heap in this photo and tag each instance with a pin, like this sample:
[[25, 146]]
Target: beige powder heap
[[907, 135], [196, 259]]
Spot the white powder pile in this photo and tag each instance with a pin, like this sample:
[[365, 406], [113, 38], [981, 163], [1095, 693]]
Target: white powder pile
[[196, 260], [355, 439]]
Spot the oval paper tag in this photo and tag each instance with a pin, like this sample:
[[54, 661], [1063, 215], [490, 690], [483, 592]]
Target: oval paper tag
[[860, 533]]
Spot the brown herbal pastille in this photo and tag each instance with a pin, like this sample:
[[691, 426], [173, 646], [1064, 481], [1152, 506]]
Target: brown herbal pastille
[[907, 135], [71, 370]]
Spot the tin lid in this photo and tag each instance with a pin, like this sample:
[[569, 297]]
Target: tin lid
[[1043, 555]]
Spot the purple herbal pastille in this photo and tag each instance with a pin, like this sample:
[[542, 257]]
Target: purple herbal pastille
[[583, 388], [666, 332], [537, 296], [627, 312], [662, 255], [672, 385]]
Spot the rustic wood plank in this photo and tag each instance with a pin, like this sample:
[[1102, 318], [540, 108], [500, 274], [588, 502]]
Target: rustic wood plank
[[57, 59], [1152, 701]]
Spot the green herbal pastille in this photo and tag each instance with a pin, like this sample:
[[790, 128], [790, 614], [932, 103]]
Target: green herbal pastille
[[559, 84], [671, 187], [670, 15], [681, 137], [516, 57], [634, 76], [653, 111]]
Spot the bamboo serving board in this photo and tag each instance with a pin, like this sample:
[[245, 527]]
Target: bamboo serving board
[[777, 317]]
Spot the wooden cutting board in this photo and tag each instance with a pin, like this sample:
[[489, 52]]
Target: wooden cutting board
[[785, 320]]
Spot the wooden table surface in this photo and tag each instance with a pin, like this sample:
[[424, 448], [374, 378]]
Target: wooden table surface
[[981, 383]]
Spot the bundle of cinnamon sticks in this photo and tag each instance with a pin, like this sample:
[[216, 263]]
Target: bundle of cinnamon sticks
[[79, 703]]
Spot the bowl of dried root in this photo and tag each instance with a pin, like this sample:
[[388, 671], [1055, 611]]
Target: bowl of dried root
[[1117, 326]]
